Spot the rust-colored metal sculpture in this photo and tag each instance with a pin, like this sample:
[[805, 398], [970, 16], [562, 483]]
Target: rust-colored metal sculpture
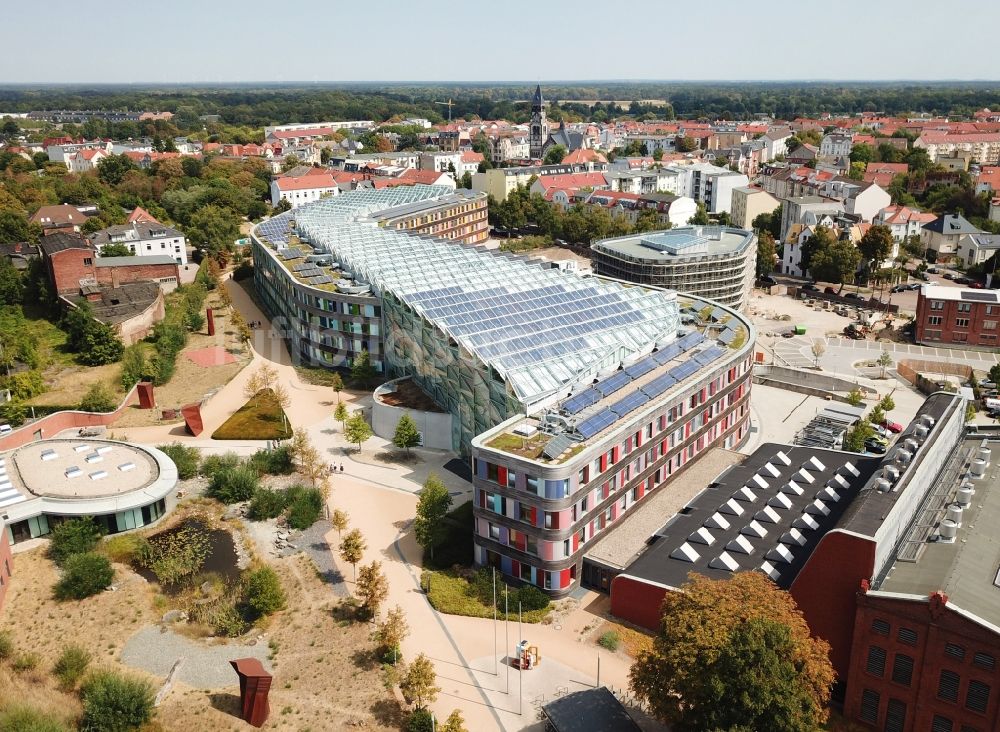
[[255, 683], [146, 398], [210, 319], [192, 418]]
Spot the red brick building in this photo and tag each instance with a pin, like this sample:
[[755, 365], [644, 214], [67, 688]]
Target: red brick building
[[961, 317], [72, 262]]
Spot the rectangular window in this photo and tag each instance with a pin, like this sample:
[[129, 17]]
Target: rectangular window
[[869, 706], [511, 478], [524, 512], [880, 626], [876, 661], [977, 698], [87, 261], [941, 724], [494, 532], [961, 322], [937, 305], [955, 651], [934, 320], [948, 686], [492, 473], [895, 716], [907, 636], [989, 325], [965, 307], [984, 660], [902, 669]]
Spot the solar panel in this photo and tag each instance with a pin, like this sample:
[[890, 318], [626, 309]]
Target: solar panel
[[718, 314], [684, 370], [629, 404], [668, 353], [581, 401], [980, 296], [690, 340], [557, 446], [659, 385], [613, 383], [594, 424], [727, 336], [641, 367], [303, 267], [321, 280]]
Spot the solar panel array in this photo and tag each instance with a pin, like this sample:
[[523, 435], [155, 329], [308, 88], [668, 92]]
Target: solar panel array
[[539, 328], [980, 296], [578, 402], [320, 280], [596, 423], [629, 403], [613, 383], [641, 367], [557, 446], [727, 336], [292, 253], [276, 229]]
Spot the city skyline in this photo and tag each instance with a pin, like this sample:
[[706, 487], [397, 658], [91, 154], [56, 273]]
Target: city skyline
[[429, 43]]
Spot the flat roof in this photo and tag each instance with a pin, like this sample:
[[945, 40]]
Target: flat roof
[[766, 514], [675, 244], [968, 568], [964, 294], [540, 328], [590, 710]]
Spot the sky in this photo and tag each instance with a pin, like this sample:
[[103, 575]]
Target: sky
[[215, 41]]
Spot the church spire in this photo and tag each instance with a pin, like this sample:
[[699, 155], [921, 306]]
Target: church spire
[[537, 100]]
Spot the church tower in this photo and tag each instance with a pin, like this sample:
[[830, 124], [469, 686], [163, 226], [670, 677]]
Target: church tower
[[539, 133]]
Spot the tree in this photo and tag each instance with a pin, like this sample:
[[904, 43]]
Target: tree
[[432, 507], [115, 249], [876, 245], [74, 536], [112, 169], [686, 144], [339, 520], [11, 284], [887, 403], [265, 377], [862, 153], [390, 632], [884, 361], [262, 592], [84, 575], [877, 415], [767, 255], [14, 226], [362, 369], [214, 229], [821, 239], [855, 397], [135, 367], [341, 414], [372, 587], [352, 549], [855, 438], [406, 435], [913, 246], [818, 348], [357, 430], [837, 264], [734, 652], [98, 398], [419, 682], [115, 702], [555, 154], [454, 723], [700, 217], [337, 384], [658, 154], [994, 373]]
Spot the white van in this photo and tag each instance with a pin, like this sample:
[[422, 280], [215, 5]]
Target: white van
[[5, 429]]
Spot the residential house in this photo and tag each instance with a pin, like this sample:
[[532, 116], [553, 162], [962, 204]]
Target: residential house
[[798, 234], [713, 186], [18, 254], [749, 202], [836, 145], [440, 162], [58, 218], [940, 237], [984, 146], [648, 180], [903, 222], [803, 154], [883, 173], [988, 180], [509, 147], [795, 211], [144, 239], [775, 141], [975, 249], [302, 189], [571, 139], [862, 200], [499, 182], [570, 182], [85, 160], [586, 156]]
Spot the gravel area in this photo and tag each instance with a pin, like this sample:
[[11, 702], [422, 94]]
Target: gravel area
[[624, 543], [313, 543], [155, 649]]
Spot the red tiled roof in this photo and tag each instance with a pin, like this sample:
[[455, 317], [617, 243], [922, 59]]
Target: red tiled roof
[[141, 214], [989, 175], [935, 137], [904, 214], [572, 180], [584, 155], [305, 182], [470, 156], [61, 214], [428, 177], [309, 132], [894, 168]]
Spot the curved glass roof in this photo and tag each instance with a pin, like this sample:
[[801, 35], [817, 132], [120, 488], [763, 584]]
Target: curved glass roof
[[540, 328]]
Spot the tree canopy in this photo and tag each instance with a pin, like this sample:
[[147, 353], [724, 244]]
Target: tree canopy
[[733, 653]]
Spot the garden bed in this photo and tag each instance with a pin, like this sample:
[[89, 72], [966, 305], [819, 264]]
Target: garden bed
[[261, 418], [451, 593]]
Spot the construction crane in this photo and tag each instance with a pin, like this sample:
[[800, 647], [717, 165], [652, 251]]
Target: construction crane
[[449, 104]]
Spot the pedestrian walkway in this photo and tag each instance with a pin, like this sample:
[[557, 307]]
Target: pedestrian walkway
[[840, 354]]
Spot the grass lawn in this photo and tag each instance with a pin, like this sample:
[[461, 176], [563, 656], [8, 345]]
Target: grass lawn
[[529, 447], [452, 594], [259, 419]]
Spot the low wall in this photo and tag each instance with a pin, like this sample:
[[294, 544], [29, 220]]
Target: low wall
[[55, 423], [910, 369], [434, 427], [815, 379]]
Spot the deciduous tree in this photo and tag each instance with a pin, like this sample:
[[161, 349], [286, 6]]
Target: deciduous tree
[[391, 631], [406, 435], [767, 255], [372, 588], [734, 653], [352, 549], [876, 245], [432, 507], [337, 384], [884, 361], [339, 520], [419, 682], [357, 430], [362, 370]]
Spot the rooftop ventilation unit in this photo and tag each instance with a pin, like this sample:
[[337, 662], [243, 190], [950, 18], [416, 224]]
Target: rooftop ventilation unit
[[701, 535], [838, 481], [954, 513], [685, 552], [903, 457], [890, 473], [771, 470], [792, 488], [805, 476], [928, 420], [921, 432], [745, 494], [910, 444], [882, 485], [793, 537], [978, 468], [818, 508], [813, 463], [780, 553], [759, 482], [948, 531], [525, 430], [828, 494], [805, 521], [769, 569], [716, 521], [964, 495], [983, 453], [731, 507], [849, 467], [724, 561], [754, 529], [782, 458]]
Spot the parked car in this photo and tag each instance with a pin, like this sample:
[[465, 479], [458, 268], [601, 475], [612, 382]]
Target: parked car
[[872, 446], [881, 431], [829, 291], [768, 280], [948, 276], [899, 288], [913, 286], [931, 270], [853, 296], [894, 427], [810, 286]]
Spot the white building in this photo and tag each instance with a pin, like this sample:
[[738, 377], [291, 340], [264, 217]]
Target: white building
[[144, 239], [509, 148], [791, 258], [976, 248], [85, 160], [749, 202], [776, 143], [836, 145], [302, 189], [984, 146], [902, 221], [713, 186], [440, 162]]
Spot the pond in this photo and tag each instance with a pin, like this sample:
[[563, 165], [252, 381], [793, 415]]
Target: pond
[[221, 559]]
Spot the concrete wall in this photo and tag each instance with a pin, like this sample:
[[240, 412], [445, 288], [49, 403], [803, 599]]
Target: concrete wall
[[55, 423], [115, 275], [139, 326], [434, 427]]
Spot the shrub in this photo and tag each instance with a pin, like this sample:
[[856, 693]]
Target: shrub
[[213, 464], [135, 366], [187, 459], [6, 645], [25, 662], [28, 719], [266, 504], [75, 536], [304, 506], [194, 320], [610, 640], [420, 721], [114, 702], [175, 555], [70, 667], [13, 413], [273, 462], [234, 485], [98, 399], [84, 575], [532, 598], [262, 592]]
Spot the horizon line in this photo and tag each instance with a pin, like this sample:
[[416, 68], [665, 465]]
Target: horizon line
[[512, 82]]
